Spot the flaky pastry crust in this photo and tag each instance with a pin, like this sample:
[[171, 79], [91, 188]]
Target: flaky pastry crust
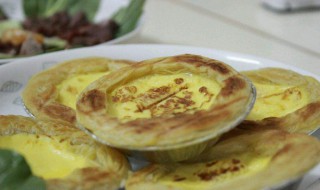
[[111, 166], [305, 119], [165, 132], [290, 157], [40, 94]]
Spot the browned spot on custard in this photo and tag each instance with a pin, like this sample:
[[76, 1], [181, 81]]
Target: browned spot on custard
[[126, 98], [207, 176], [124, 94], [187, 94], [171, 105], [72, 90], [203, 90], [161, 90], [235, 161], [200, 61], [178, 178], [131, 89], [178, 80], [115, 98], [223, 170], [211, 163], [232, 85], [234, 169], [185, 101], [156, 93], [289, 92]]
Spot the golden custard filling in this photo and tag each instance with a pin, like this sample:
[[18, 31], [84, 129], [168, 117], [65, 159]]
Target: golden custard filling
[[203, 175], [277, 101], [48, 157], [157, 95], [70, 88]]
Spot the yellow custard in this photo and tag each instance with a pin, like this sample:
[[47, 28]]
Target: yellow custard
[[277, 101], [157, 95], [48, 157], [70, 88]]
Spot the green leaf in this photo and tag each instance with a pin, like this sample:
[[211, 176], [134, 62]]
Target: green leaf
[[15, 174], [2, 13], [46, 8], [9, 24], [128, 17], [58, 5], [119, 15], [30, 8], [89, 8], [55, 42], [6, 56]]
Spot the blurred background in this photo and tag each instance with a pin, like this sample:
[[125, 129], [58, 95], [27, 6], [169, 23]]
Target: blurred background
[[290, 33], [287, 31]]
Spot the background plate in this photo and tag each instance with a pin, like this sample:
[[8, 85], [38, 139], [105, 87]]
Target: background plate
[[105, 11], [14, 76]]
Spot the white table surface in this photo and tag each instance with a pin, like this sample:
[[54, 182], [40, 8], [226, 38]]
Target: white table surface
[[240, 26]]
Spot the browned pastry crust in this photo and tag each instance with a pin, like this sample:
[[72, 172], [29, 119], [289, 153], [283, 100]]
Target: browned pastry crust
[[305, 119], [290, 157], [166, 131], [112, 167], [41, 94]]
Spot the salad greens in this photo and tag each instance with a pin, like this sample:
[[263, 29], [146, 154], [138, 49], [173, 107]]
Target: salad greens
[[15, 174], [9, 24], [124, 21], [127, 17], [46, 8]]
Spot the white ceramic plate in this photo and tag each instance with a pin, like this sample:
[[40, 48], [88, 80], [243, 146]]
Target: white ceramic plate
[[14, 76], [105, 11]]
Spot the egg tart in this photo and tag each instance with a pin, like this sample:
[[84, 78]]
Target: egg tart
[[285, 99], [247, 160], [65, 157], [52, 93], [165, 104]]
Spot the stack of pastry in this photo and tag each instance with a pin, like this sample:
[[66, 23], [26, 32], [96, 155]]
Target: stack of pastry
[[199, 124]]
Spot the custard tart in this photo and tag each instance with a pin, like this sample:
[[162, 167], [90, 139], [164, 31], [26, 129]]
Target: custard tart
[[165, 104], [52, 93], [65, 157], [285, 99], [246, 160]]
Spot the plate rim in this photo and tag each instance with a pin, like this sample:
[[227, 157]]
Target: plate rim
[[225, 53]]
